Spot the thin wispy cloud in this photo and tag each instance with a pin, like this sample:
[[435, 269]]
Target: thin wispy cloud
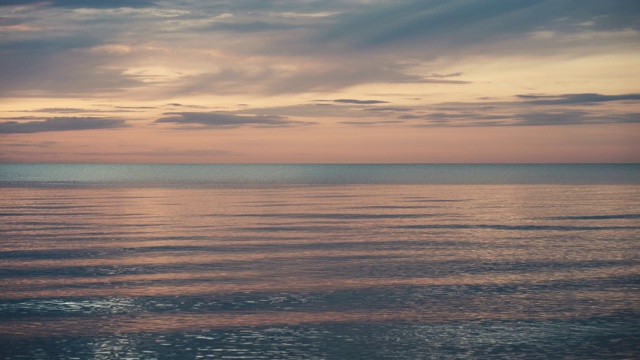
[[59, 124], [222, 120], [82, 3], [359, 102], [40, 144], [163, 152], [565, 99]]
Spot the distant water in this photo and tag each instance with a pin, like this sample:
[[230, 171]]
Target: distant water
[[319, 261], [208, 175]]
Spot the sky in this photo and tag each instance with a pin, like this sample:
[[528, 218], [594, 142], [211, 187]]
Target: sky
[[319, 81]]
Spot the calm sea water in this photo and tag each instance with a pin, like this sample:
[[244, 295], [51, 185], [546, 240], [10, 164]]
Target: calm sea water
[[319, 261]]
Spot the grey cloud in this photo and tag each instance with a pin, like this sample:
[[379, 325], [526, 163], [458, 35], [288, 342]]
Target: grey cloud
[[350, 111], [48, 43], [534, 100], [553, 118], [84, 3], [167, 152], [61, 110], [556, 118], [475, 116], [263, 6], [77, 111], [41, 144], [134, 107], [22, 118], [458, 119], [53, 68], [360, 102], [269, 79], [428, 80], [389, 109], [17, 2], [471, 106], [103, 3], [443, 79], [607, 15], [372, 123], [445, 75], [186, 106], [81, 81], [431, 20], [227, 120], [7, 21], [54, 64], [249, 27], [455, 24], [59, 124], [573, 118], [341, 75], [410, 117], [567, 99]]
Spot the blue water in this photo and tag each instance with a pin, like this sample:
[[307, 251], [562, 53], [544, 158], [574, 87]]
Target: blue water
[[184, 175], [319, 261]]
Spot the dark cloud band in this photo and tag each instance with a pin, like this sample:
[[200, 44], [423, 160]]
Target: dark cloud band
[[59, 124], [97, 4], [225, 120], [567, 99], [359, 102]]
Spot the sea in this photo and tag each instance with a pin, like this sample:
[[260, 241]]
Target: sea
[[320, 261]]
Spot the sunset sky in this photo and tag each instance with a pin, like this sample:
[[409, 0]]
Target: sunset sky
[[319, 81]]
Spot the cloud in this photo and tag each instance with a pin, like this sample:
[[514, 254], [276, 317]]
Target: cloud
[[249, 27], [48, 43], [77, 111], [606, 15], [389, 109], [98, 51], [465, 115], [445, 75], [41, 144], [552, 118], [458, 119], [83, 3], [7, 21], [185, 106], [451, 27], [410, 117], [301, 74], [372, 123], [59, 124], [568, 99], [164, 152], [350, 111], [360, 102], [56, 65], [466, 21], [62, 110], [573, 118], [167, 152], [227, 120]]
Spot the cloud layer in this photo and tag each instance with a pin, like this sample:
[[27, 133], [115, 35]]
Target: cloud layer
[[100, 4], [307, 78], [59, 124], [223, 120]]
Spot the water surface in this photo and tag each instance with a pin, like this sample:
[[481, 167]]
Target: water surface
[[288, 261]]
